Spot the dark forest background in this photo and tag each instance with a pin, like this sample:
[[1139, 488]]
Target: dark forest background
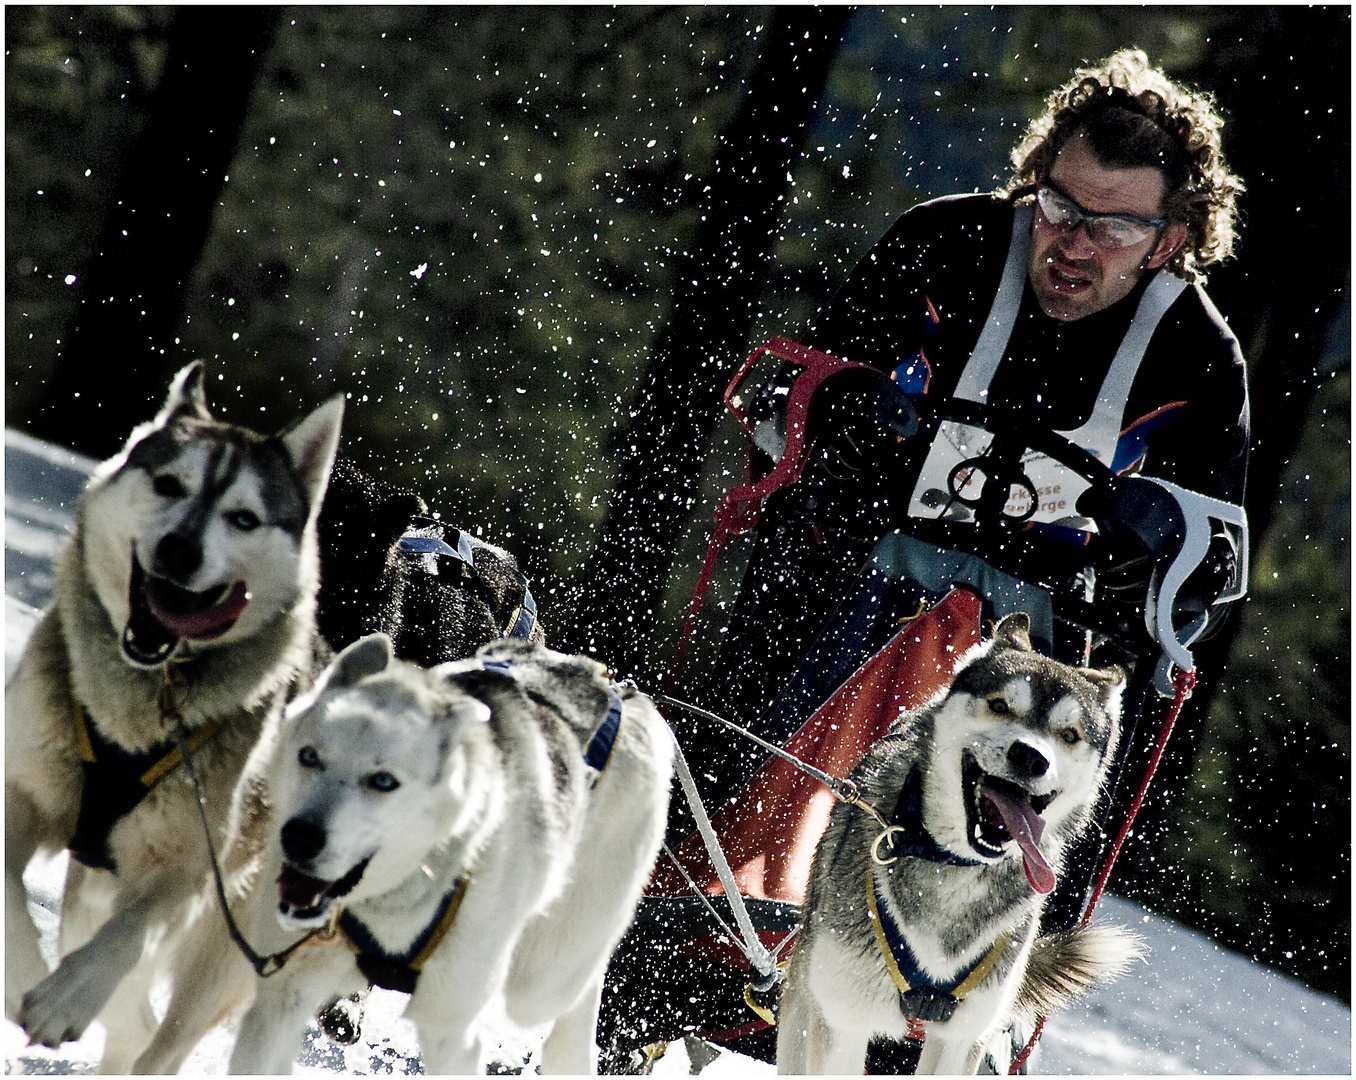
[[531, 244]]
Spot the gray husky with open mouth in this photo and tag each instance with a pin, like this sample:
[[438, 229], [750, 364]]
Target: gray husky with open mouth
[[184, 611], [928, 926]]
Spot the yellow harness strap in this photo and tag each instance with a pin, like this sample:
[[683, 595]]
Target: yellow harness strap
[[977, 974], [170, 761], [175, 757], [81, 731], [444, 924]]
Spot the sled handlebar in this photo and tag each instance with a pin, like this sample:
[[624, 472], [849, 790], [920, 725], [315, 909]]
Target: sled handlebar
[[1180, 540]]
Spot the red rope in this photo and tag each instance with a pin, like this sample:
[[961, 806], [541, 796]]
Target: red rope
[[1184, 682]]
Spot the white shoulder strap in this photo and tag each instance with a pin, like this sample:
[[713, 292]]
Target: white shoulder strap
[[1103, 428], [993, 340], [956, 443]]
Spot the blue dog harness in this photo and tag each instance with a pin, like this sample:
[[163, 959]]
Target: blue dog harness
[[598, 751], [400, 971], [920, 996]]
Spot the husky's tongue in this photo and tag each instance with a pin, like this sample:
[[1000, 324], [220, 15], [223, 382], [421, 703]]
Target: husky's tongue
[[200, 616], [1026, 827]]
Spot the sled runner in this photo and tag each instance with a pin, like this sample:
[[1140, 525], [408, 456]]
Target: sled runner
[[918, 601]]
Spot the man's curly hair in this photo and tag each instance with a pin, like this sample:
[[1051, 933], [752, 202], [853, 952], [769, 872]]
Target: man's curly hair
[[1132, 115]]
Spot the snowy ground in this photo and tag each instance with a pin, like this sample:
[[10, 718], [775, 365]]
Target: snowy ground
[[1192, 1007]]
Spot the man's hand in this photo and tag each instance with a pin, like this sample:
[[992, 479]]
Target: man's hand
[[1145, 530], [859, 419]]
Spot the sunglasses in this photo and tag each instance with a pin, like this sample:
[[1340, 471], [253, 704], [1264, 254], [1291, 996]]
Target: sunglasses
[[1105, 230]]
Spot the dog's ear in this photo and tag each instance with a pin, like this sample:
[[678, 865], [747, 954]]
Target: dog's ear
[[468, 709], [1014, 631], [370, 655], [185, 396], [478, 682], [1109, 682], [311, 444]]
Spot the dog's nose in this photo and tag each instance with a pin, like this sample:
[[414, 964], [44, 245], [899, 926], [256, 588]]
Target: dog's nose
[[1026, 761], [302, 839], [177, 557]]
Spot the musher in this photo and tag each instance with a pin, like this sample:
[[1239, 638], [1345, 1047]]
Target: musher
[[1119, 202], [1069, 302]]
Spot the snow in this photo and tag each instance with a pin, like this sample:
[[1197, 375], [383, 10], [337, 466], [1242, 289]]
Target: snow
[[1191, 1007]]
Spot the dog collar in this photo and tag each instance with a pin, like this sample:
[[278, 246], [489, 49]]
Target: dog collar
[[911, 839], [400, 971], [116, 780], [920, 996]]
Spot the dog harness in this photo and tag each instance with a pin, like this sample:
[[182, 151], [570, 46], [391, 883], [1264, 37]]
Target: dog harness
[[598, 751], [116, 780], [523, 618], [920, 996], [401, 971]]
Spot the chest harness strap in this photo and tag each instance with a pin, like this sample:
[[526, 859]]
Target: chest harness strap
[[116, 780], [401, 971], [920, 996], [956, 444]]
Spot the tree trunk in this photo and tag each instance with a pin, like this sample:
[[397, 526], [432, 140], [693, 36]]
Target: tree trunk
[[660, 455], [118, 353]]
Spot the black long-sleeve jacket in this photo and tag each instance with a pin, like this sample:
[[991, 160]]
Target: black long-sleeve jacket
[[913, 308]]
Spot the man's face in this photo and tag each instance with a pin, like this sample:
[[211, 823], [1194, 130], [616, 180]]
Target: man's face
[[1072, 276]]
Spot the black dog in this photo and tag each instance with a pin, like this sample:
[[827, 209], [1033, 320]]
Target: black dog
[[386, 565]]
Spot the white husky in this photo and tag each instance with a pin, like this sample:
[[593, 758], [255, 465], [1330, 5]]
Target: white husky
[[184, 608], [482, 827]]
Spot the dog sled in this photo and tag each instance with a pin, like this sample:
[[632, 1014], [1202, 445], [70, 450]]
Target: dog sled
[[702, 957]]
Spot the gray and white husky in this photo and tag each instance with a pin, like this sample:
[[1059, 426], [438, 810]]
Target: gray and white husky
[[184, 608], [480, 828], [929, 926]]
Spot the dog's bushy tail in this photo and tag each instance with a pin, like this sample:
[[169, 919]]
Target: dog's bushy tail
[[1066, 964]]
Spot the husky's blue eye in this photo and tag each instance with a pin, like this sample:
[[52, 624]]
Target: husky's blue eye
[[308, 758], [382, 781], [169, 486], [998, 706], [244, 520]]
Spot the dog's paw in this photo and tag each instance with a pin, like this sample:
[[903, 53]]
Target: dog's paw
[[59, 1008]]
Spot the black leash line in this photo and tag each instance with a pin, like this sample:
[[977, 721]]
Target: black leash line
[[264, 966]]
